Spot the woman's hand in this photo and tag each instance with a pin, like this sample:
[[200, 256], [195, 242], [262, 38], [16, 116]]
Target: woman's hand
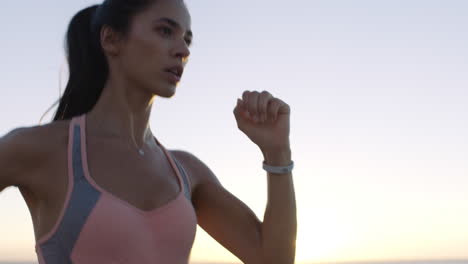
[[271, 130]]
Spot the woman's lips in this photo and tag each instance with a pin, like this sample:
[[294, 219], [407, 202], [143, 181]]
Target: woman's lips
[[172, 77]]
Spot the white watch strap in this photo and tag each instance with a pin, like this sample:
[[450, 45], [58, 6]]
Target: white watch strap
[[279, 170]]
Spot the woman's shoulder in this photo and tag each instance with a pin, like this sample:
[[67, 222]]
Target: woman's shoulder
[[29, 148], [188, 162], [44, 139], [30, 140]]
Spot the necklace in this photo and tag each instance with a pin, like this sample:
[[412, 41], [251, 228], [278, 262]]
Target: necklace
[[140, 150]]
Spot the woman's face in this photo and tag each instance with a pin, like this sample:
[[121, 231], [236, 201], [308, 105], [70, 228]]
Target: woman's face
[[159, 39]]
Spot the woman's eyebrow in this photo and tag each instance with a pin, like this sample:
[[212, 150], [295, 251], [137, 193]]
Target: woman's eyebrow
[[174, 24]]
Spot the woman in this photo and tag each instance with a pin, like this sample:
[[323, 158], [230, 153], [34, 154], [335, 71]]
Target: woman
[[102, 189]]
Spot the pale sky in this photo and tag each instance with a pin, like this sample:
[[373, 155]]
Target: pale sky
[[379, 123]]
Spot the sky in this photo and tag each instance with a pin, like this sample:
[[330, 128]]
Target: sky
[[378, 92]]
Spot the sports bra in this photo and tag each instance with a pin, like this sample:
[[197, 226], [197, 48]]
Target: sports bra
[[95, 227]]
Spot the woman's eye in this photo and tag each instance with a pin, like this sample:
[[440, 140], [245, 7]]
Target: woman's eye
[[166, 30]]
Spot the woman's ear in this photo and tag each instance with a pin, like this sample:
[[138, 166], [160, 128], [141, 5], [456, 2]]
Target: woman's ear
[[110, 41]]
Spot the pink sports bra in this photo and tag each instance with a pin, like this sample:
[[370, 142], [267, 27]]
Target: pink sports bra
[[95, 227]]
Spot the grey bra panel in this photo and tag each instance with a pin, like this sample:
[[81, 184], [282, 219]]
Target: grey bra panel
[[185, 179], [58, 249]]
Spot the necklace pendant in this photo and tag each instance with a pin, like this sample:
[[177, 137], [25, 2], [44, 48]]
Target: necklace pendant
[[141, 152]]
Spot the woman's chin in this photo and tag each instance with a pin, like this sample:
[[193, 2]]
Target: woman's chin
[[168, 91]]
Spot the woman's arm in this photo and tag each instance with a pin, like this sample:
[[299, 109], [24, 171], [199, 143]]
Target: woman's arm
[[279, 228]]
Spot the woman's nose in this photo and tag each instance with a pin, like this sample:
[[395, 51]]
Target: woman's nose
[[183, 51]]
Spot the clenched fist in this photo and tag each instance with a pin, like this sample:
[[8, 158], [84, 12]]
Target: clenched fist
[[264, 119]]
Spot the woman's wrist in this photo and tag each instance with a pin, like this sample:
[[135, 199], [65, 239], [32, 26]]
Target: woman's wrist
[[281, 157]]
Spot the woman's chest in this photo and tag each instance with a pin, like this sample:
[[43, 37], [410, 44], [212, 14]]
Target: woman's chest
[[142, 185]]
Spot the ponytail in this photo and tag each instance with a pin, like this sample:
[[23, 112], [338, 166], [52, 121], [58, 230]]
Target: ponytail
[[87, 63], [87, 67]]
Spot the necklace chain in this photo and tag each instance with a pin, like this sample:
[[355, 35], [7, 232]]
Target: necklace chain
[[140, 150]]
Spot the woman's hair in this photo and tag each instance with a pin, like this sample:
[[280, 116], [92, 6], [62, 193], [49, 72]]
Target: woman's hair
[[88, 68]]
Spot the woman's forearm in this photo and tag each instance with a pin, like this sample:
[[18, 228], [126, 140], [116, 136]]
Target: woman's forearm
[[279, 227]]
